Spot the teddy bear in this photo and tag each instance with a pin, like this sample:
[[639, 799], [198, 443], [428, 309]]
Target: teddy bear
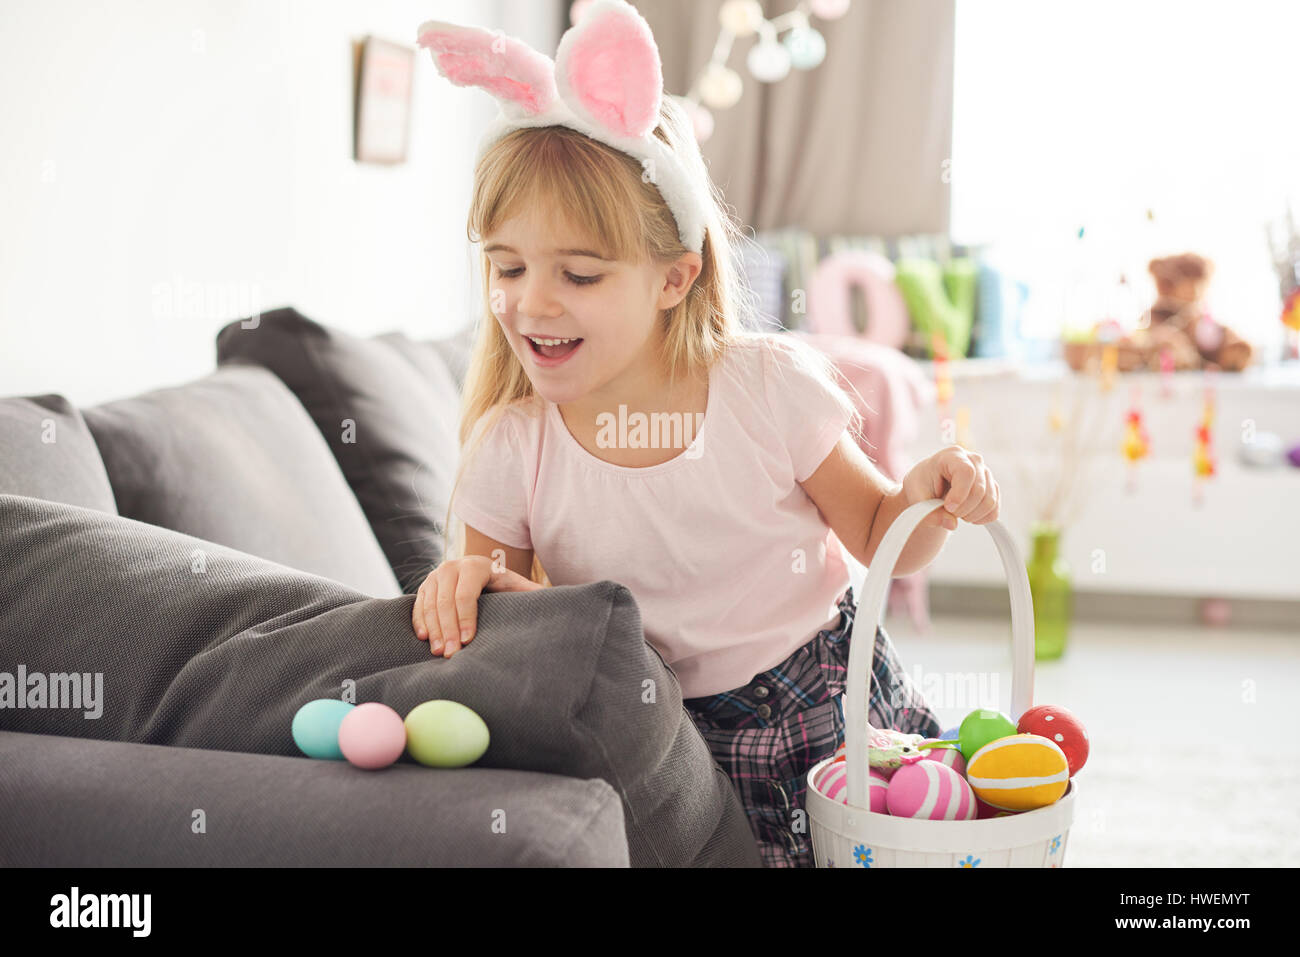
[[1179, 321]]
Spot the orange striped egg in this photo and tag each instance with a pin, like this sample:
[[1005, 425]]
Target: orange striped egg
[[1020, 772]]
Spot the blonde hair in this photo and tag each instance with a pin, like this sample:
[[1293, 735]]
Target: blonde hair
[[601, 192]]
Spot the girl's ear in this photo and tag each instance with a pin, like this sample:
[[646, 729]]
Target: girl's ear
[[678, 279], [522, 79], [607, 69]]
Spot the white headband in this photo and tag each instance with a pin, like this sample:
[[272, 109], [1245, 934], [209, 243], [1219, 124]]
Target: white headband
[[606, 82]]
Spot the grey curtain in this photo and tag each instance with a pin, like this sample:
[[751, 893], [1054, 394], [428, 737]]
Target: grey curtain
[[855, 146]]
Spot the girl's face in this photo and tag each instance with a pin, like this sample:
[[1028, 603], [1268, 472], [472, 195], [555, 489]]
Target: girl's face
[[548, 283]]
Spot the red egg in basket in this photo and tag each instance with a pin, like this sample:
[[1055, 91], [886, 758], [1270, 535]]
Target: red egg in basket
[[1060, 726]]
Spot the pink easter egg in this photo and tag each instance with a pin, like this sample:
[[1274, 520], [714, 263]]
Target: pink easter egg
[[372, 736], [931, 791], [949, 756], [833, 782]]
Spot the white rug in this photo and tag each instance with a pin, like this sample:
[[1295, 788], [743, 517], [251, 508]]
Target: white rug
[[1195, 757]]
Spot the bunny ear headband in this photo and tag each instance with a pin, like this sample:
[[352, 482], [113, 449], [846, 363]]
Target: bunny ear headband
[[606, 82]]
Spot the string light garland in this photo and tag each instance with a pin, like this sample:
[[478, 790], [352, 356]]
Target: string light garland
[[770, 59]]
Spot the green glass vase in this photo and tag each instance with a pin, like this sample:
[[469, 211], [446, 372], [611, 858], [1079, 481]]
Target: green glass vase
[[1051, 590]]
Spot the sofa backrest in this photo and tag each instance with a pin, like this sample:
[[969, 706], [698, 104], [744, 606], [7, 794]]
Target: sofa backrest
[[387, 407]]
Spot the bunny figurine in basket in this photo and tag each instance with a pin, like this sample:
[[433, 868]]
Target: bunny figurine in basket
[[892, 749]]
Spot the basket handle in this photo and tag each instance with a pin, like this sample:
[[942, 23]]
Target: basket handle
[[871, 610]]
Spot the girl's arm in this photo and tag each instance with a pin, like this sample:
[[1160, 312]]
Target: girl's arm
[[517, 560], [859, 504]]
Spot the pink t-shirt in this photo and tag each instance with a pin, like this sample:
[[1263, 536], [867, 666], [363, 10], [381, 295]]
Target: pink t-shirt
[[730, 562]]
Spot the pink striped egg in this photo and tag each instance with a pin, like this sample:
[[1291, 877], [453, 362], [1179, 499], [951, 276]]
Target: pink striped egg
[[949, 756], [931, 791], [833, 782]]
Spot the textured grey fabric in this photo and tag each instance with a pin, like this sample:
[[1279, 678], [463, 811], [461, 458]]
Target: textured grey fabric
[[109, 804], [384, 422], [205, 647], [46, 451], [429, 365], [233, 458], [455, 350]]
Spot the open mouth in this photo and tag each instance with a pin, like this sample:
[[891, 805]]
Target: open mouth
[[552, 348]]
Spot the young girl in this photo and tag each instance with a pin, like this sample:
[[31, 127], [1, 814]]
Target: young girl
[[620, 423]]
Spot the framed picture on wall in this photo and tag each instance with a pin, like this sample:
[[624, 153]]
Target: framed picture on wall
[[383, 73]]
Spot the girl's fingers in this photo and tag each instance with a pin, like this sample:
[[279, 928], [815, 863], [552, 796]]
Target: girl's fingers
[[511, 581], [446, 609], [940, 518], [417, 617], [988, 511], [430, 613], [468, 589]]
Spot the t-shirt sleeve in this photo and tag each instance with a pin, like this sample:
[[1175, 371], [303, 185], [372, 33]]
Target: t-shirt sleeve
[[810, 409], [493, 493]]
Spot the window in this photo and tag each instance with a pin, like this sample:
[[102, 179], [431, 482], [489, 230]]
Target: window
[[1088, 115]]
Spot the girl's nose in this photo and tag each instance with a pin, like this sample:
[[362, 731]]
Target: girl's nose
[[538, 299]]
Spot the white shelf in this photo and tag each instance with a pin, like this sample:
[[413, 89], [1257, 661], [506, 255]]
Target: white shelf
[[1243, 540]]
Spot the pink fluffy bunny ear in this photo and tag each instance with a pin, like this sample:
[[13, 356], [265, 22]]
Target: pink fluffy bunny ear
[[607, 69], [522, 79]]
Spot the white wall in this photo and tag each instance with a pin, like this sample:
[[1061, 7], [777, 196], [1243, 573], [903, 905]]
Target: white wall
[[169, 166]]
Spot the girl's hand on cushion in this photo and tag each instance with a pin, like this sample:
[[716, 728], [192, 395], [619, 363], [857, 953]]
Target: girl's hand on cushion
[[446, 606], [962, 480]]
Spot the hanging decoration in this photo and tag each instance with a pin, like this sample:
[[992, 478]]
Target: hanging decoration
[[1137, 444], [1166, 373], [770, 59], [1284, 242], [1291, 319], [1109, 363], [964, 437], [942, 386], [1055, 420], [1203, 457]]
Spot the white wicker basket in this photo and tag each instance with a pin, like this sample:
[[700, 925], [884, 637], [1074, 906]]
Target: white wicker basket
[[849, 835]]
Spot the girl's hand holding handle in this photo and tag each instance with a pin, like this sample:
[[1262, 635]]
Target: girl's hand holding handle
[[962, 480], [446, 606]]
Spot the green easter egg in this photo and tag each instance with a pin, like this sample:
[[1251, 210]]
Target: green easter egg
[[980, 727], [445, 734]]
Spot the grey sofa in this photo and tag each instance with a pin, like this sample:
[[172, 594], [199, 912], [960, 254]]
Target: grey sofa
[[181, 570]]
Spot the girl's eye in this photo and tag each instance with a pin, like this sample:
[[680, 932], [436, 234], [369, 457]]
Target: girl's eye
[[572, 277]]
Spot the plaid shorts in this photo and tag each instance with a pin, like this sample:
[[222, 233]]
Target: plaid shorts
[[768, 734]]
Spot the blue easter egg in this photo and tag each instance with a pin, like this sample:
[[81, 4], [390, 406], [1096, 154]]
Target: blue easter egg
[[316, 728], [952, 734]]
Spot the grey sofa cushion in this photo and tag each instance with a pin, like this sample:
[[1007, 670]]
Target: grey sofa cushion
[[223, 656], [233, 458], [385, 423], [116, 804], [46, 451], [428, 363], [455, 350]]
